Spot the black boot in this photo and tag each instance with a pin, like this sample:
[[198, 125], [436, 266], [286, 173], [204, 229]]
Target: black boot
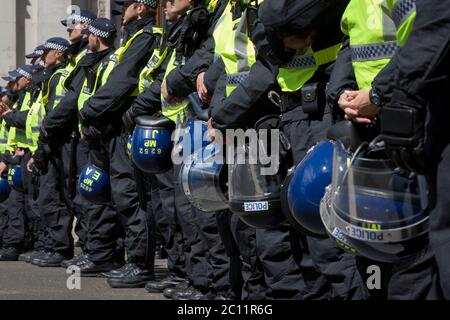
[[135, 277], [89, 268], [74, 261], [168, 292], [159, 286], [9, 254], [52, 259], [119, 273], [188, 294]]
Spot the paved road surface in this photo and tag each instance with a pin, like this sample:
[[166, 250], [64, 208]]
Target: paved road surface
[[20, 280]]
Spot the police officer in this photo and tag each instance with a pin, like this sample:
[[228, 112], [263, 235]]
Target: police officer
[[75, 23], [100, 120], [18, 237], [181, 82], [150, 102], [50, 96], [421, 143], [100, 239], [373, 75]]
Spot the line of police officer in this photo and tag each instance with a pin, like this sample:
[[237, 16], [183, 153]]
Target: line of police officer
[[363, 68]]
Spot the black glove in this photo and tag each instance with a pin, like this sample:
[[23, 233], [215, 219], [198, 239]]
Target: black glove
[[128, 120], [403, 131], [92, 132], [40, 158]]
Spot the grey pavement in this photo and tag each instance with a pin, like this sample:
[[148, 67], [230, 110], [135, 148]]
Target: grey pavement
[[23, 281]]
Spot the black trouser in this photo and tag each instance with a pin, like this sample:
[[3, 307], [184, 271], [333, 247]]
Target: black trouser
[[281, 270], [195, 250], [438, 149], [135, 222], [328, 272], [3, 219], [440, 218], [96, 229], [15, 233], [217, 259], [234, 268], [254, 285], [167, 223], [55, 214], [32, 219]]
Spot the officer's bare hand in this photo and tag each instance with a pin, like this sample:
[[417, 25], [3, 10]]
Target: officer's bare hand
[[201, 88], [3, 167], [359, 108], [169, 99], [30, 165], [4, 108]]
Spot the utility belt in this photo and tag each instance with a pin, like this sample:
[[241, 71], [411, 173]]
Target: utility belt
[[311, 98]]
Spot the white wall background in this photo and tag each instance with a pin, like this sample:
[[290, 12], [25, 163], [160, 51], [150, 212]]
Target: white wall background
[[24, 24]]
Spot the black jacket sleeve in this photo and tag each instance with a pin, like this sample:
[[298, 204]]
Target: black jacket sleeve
[[16, 118], [122, 81], [343, 76], [183, 81], [384, 81], [149, 102], [243, 105], [419, 61], [213, 74], [61, 119]]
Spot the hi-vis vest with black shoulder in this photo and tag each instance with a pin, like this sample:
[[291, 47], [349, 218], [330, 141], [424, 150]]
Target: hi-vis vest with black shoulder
[[17, 136], [234, 46], [376, 29], [146, 77]]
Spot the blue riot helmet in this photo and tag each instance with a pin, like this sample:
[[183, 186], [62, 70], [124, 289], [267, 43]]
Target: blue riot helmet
[[15, 177], [341, 160], [191, 137], [380, 208], [4, 189], [152, 143], [94, 184], [204, 179], [307, 188]]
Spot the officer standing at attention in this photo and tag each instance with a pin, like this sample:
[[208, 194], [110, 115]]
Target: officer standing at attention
[[19, 235], [100, 243], [52, 92], [100, 119], [360, 84], [419, 103], [75, 23]]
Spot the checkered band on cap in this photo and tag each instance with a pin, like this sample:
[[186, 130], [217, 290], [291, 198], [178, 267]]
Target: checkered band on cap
[[38, 52], [79, 18], [24, 73], [99, 33], [55, 46], [150, 3]]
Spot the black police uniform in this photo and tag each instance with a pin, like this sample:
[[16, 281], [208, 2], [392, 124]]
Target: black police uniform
[[96, 239], [421, 83], [270, 269], [101, 110], [31, 219], [195, 249]]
